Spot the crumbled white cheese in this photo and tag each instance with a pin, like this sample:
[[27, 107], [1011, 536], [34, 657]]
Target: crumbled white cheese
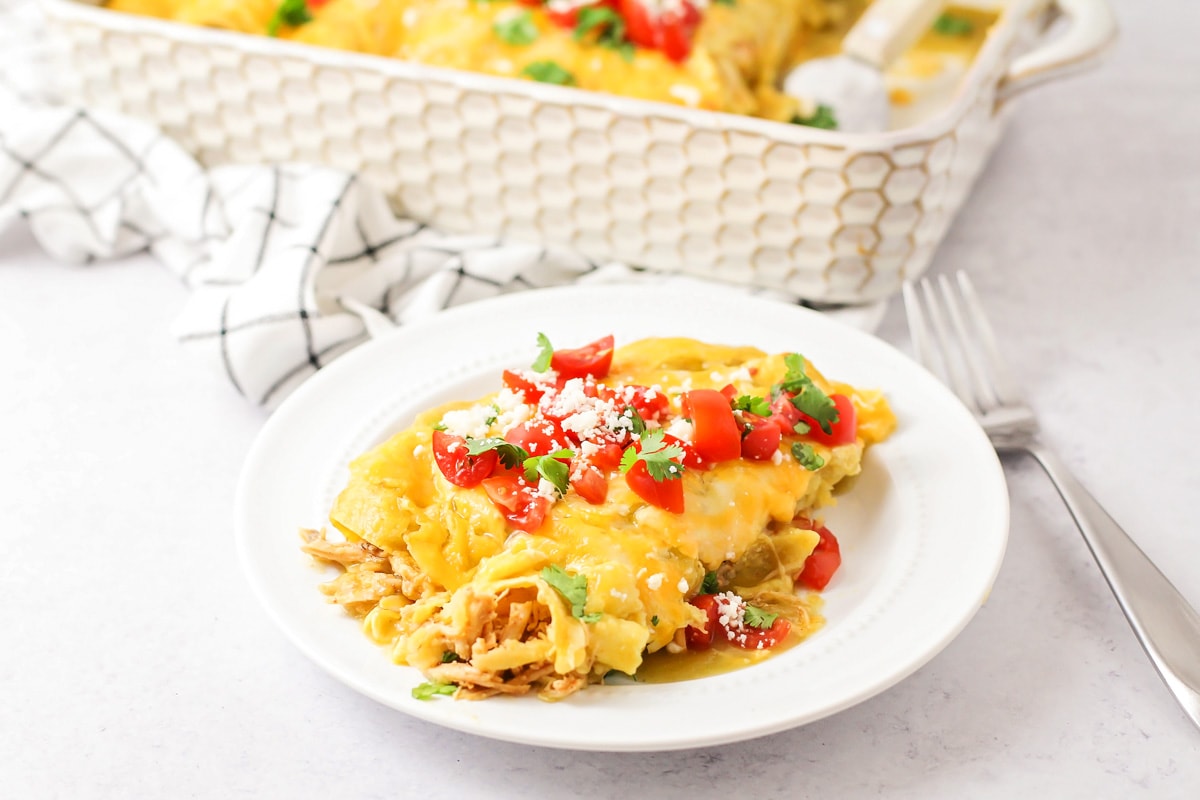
[[547, 489], [472, 421], [740, 374], [655, 581], [777, 457], [681, 429], [418, 450], [682, 586]]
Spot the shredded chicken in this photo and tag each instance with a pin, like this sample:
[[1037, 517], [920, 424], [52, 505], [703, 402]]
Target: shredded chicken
[[344, 553]]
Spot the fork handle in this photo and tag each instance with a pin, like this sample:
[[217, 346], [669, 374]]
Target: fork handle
[[1167, 627]]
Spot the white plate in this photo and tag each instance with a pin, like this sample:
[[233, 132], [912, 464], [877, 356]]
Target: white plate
[[922, 533]]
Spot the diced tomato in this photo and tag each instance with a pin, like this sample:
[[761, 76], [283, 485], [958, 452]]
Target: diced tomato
[[670, 31], [651, 404], [843, 431], [517, 500], [691, 459], [784, 414], [666, 494], [539, 437], [824, 561], [761, 438], [590, 483], [716, 436], [521, 384], [730, 392], [698, 639], [607, 458], [762, 638], [593, 359], [450, 453]]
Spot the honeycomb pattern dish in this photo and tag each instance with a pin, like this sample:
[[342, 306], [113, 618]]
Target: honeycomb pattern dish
[[832, 217]]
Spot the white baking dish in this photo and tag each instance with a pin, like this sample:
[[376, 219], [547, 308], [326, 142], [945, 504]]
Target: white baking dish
[[831, 216]]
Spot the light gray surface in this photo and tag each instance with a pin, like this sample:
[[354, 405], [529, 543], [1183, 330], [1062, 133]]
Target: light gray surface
[[136, 663]]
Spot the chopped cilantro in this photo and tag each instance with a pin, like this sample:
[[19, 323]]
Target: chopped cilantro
[[803, 452], [449, 657], [548, 72], [430, 688], [654, 620], [545, 353], [725, 2], [550, 468], [953, 25], [439, 426], [809, 399], [802, 427], [610, 28], [290, 12], [755, 617], [511, 455], [518, 30], [818, 405], [491, 420], [709, 585], [822, 118], [755, 405], [573, 588], [658, 457]]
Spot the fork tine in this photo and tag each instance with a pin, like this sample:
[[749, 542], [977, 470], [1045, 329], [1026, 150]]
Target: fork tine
[[944, 340], [1001, 377], [918, 328], [968, 343]]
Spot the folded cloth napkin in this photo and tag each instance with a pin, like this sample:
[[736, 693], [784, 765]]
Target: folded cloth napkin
[[281, 260]]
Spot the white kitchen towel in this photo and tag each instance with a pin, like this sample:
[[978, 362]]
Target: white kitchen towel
[[280, 259]]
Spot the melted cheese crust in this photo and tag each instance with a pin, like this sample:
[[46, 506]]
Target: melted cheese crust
[[444, 573]]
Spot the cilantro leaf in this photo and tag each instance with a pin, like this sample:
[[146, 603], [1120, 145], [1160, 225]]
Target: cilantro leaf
[[550, 468], [591, 618], [725, 2], [290, 12], [573, 588], [803, 452], [709, 585], [439, 426], [818, 405], [755, 617], [953, 25], [795, 378], [430, 688], [657, 455], [654, 620], [609, 27], [548, 72], [755, 405], [449, 657], [518, 30], [511, 455], [822, 118], [545, 353]]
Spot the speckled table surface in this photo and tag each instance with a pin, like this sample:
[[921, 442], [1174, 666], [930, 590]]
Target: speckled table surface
[[137, 664]]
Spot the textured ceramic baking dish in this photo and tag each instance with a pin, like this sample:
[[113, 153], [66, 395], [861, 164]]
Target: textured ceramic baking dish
[[833, 217]]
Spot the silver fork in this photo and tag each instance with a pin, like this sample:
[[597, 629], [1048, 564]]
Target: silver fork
[[951, 335]]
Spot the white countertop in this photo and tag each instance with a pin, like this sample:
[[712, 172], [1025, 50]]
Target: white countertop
[[136, 663]]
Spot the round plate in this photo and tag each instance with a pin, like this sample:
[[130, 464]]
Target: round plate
[[922, 533]]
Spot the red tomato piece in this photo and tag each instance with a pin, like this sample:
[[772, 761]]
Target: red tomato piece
[[824, 561], [607, 458], [762, 638], [666, 494], [593, 359], [518, 501], [691, 459], [784, 414], [730, 392], [843, 431], [717, 437], [519, 383], [590, 483], [640, 26], [539, 437], [450, 453], [702, 639], [676, 32], [761, 439]]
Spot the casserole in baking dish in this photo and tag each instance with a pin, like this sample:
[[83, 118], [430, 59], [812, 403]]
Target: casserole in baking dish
[[832, 217]]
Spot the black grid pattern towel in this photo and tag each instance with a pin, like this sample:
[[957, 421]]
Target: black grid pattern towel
[[283, 262]]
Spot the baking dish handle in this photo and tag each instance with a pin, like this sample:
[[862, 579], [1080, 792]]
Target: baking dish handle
[[1092, 28]]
